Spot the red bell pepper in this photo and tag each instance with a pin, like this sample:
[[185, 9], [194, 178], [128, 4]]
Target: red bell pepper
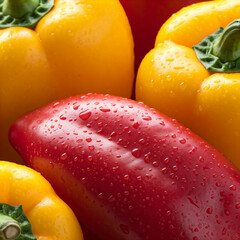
[[130, 172], [146, 17]]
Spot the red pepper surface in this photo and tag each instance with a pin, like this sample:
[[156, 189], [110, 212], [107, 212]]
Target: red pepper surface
[[130, 172], [146, 17]]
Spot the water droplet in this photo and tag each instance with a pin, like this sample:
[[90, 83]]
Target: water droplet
[[141, 141], [126, 193], [237, 205], [91, 147], [62, 117], [85, 115], [136, 152], [224, 231], [146, 158], [164, 170], [90, 158], [126, 177], [182, 140], [166, 160], [100, 196], [136, 125], [147, 118], [111, 199], [130, 207], [139, 178], [75, 107], [55, 104], [175, 168], [104, 109], [63, 156], [233, 188], [227, 213], [162, 123], [173, 135], [209, 211], [168, 213], [155, 164], [174, 149]]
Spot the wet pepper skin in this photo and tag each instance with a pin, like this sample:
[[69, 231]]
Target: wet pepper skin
[[129, 172], [172, 79], [50, 217], [80, 46]]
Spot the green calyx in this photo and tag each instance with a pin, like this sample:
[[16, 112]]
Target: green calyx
[[220, 51], [23, 13], [14, 224]]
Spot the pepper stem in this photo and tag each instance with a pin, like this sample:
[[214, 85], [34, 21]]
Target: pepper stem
[[18, 8], [227, 45], [9, 228]]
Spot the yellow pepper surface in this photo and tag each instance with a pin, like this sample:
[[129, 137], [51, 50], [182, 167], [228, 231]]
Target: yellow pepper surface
[[172, 79], [79, 46], [50, 217]]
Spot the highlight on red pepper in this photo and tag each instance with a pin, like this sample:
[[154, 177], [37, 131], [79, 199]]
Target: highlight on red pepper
[[130, 172]]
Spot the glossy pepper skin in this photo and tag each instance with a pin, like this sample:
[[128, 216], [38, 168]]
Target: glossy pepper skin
[[172, 79], [50, 217], [130, 172], [78, 47]]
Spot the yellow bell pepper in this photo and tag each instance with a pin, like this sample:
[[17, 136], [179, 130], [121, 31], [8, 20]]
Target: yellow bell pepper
[[74, 46], [49, 216], [173, 78]]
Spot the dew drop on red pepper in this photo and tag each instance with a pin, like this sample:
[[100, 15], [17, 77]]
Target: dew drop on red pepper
[[104, 109], [136, 125], [209, 211], [62, 117], [182, 140], [56, 104], [168, 213], [227, 213], [91, 147], [85, 115], [233, 188], [90, 158], [126, 177], [164, 170], [155, 164], [136, 152], [175, 168], [75, 107], [141, 141], [147, 118], [139, 178], [63, 156], [237, 205]]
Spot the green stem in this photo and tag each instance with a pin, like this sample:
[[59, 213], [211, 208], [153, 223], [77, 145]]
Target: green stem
[[227, 45], [9, 228], [18, 8]]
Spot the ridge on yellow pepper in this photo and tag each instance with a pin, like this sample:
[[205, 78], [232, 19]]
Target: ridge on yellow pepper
[[172, 79], [73, 47], [49, 216]]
